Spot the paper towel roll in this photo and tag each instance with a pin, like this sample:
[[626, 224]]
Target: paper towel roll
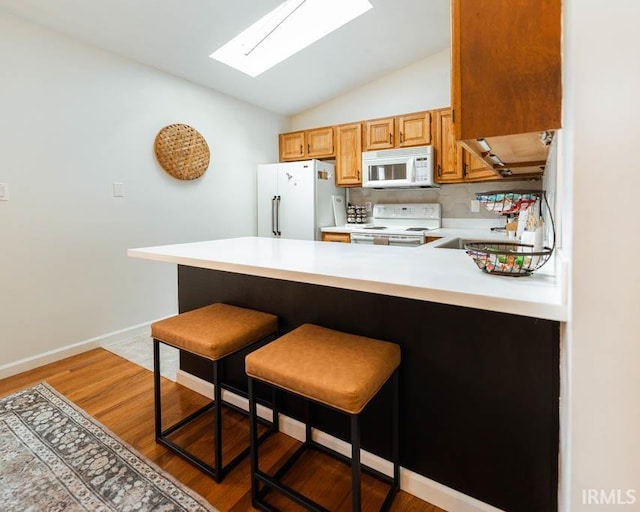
[[533, 238], [523, 217]]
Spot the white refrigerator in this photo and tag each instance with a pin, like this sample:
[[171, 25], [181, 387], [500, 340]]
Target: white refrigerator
[[294, 199]]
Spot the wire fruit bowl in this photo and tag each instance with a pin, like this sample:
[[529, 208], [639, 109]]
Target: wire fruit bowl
[[508, 202], [507, 258]]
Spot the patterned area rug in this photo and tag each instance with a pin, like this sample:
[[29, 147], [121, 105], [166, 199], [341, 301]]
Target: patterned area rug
[[54, 457]]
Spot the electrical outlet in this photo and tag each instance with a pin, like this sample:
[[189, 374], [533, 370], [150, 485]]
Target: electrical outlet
[[367, 206], [118, 189], [475, 206], [4, 192]]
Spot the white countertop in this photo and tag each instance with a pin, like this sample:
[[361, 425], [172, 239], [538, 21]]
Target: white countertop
[[425, 273], [347, 228]]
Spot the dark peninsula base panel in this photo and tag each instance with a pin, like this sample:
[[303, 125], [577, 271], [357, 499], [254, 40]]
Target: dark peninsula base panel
[[479, 389]]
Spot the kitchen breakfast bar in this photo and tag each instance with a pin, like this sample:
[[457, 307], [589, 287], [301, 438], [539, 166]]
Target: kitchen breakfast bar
[[480, 354]]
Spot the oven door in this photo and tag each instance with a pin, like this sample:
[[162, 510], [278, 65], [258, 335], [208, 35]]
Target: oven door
[[362, 238]]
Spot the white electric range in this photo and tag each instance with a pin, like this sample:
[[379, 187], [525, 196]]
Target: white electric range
[[403, 224]]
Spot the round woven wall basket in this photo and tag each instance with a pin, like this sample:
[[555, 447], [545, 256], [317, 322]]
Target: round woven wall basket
[[182, 151]]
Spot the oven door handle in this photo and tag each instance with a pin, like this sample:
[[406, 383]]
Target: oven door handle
[[386, 239], [406, 241]]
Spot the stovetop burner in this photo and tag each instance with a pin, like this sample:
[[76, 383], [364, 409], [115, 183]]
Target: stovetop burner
[[374, 227], [417, 229]]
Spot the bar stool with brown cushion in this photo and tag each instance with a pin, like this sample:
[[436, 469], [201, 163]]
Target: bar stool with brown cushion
[[340, 371], [213, 332]]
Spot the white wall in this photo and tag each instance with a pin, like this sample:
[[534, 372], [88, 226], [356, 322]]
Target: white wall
[[423, 85], [601, 117], [75, 119]]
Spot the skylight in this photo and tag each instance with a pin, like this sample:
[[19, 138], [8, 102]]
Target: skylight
[[286, 30]]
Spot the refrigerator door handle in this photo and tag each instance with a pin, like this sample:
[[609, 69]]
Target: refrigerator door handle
[[273, 215], [278, 216]]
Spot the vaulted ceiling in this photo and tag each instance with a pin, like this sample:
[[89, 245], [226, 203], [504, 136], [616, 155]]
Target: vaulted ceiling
[[178, 36]]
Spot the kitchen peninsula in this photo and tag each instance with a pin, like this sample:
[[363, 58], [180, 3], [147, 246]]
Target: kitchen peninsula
[[480, 362]]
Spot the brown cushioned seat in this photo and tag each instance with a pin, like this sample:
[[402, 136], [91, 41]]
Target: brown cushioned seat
[[215, 331], [341, 370]]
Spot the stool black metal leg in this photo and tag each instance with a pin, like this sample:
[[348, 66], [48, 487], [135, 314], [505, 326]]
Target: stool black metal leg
[[275, 408], [308, 421], [217, 408], [217, 470], [395, 429], [156, 389], [253, 442], [355, 463]]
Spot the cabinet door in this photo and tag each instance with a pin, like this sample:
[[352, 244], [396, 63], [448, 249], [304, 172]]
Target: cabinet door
[[292, 146], [499, 86], [476, 169], [379, 134], [414, 130], [448, 169], [320, 143], [349, 155], [344, 238]]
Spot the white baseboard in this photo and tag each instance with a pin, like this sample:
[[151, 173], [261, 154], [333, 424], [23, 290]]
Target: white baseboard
[[410, 482], [441, 495], [29, 363], [126, 334]]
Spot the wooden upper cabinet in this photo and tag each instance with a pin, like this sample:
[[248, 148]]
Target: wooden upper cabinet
[[506, 77], [447, 167], [453, 163], [502, 85], [414, 129], [316, 143], [476, 169], [320, 142], [379, 134], [292, 146], [398, 132], [392, 132], [349, 155]]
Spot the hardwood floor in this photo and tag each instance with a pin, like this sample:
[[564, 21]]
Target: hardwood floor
[[119, 394]]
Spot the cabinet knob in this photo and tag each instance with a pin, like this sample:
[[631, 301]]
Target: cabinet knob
[[301, 149], [401, 138], [390, 138], [439, 170], [308, 148]]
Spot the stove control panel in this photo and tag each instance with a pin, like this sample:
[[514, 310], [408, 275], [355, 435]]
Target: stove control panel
[[407, 211]]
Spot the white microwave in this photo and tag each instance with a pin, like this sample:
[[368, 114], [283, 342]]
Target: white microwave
[[393, 168]]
